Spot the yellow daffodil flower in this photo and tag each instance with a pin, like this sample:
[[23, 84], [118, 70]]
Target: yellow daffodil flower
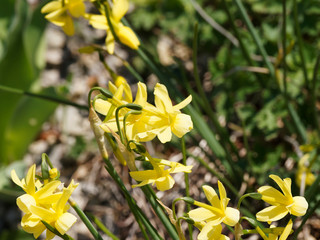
[[166, 118], [218, 212], [159, 175], [60, 13], [57, 215], [282, 203], [124, 33], [45, 197], [304, 173], [210, 231], [274, 235]]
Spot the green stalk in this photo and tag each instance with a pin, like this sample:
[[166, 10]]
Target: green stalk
[[103, 227], [85, 220], [56, 232], [300, 44], [152, 198], [139, 216], [186, 180], [41, 96], [255, 36]]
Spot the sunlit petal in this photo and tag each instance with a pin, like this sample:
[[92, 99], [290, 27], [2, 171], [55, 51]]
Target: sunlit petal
[[182, 124], [119, 9], [232, 216], [272, 213], [201, 214], [65, 222], [299, 206]]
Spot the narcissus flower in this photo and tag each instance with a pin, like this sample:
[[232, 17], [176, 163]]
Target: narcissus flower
[[124, 33], [168, 118], [275, 233], [282, 203], [218, 211], [60, 13], [159, 175], [43, 202]]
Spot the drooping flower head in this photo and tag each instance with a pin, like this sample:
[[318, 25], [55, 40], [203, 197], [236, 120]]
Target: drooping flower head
[[282, 203]]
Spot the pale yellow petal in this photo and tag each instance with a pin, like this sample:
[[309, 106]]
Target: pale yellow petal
[[25, 201], [165, 183], [49, 235], [145, 182], [162, 99], [128, 37], [272, 213], [57, 17], [119, 9], [299, 206], [211, 195], [141, 96], [65, 222], [47, 190], [272, 195], [32, 224], [177, 167], [285, 185], [16, 179], [30, 180], [97, 21], [77, 8], [143, 175], [165, 135], [286, 231], [182, 124], [51, 6], [232, 216], [102, 106], [223, 196], [68, 26], [201, 214], [110, 42], [47, 215], [183, 103]]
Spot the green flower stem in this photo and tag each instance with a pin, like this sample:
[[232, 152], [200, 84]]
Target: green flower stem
[[138, 214], [56, 232], [102, 227], [255, 36], [85, 220], [186, 180], [224, 138], [152, 198], [41, 96], [300, 44], [254, 195]]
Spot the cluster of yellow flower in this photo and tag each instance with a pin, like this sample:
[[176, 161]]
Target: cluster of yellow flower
[[209, 217], [139, 121], [44, 202], [60, 13]]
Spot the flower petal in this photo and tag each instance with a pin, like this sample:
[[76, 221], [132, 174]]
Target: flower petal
[[272, 213], [299, 206], [287, 230], [65, 222], [143, 175], [77, 8], [128, 37], [232, 216], [285, 184], [182, 104], [211, 195], [165, 183], [119, 9], [182, 124], [16, 179], [165, 135], [272, 196], [30, 180], [201, 214], [51, 6], [25, 201], [162, 99]]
